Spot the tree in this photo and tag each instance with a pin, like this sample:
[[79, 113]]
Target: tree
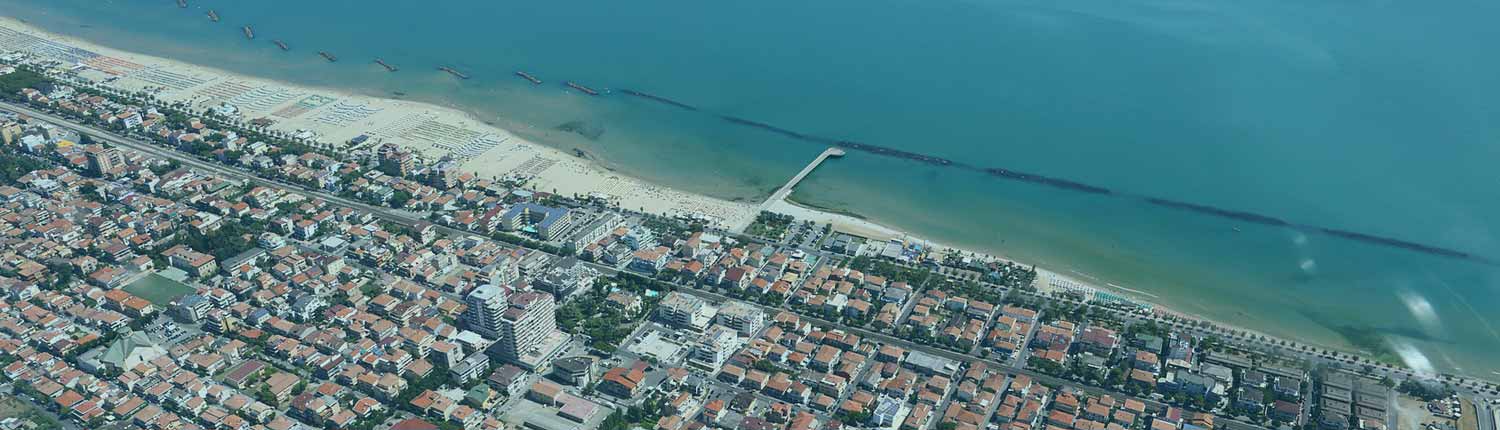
[[229, 240], [265, 396], [14, 166], [12, 83], [1047, 367], [91, 192], [162, 169], [1425, 390], [64, 274], [859, 417], [615, 421], [399, 198]]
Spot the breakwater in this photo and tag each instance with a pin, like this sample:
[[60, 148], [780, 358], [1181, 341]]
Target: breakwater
[[1067, 184], [659, 99], [1082, 187], [1047, 180], [1403, 244], [1220, 212]]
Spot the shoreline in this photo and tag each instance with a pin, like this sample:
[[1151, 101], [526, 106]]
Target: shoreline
[[1048, 281], [432, 130], [547, 168]]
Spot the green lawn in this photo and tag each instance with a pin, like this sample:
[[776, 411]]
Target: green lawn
[[770, 225], [160, 290]]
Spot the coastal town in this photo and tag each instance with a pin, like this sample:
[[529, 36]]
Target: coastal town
[[174, 268]]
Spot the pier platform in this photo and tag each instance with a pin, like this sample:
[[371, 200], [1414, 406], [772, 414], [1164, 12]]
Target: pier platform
[[786, 190]]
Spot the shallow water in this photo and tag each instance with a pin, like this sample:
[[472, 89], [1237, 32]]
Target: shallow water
[[1375, 117]]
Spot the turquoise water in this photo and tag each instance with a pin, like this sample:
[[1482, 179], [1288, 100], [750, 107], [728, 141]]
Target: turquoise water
[[1375, 116]]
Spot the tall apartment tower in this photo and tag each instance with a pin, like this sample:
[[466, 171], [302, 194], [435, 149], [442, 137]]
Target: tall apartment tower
[[486, 308], [532, 316], [104, 161]]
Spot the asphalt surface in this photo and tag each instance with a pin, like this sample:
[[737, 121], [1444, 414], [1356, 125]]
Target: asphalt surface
[[395, 216], [1466, 386]]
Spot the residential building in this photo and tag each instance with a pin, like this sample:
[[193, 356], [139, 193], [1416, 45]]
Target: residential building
[[575, 371], [525, 325], [470, 368], [623, 382], [566, 278], [715, 346], [103, 161], [192, 307], [508, 379], [486, 304], [685, 311], [595, 230], [743, 317]]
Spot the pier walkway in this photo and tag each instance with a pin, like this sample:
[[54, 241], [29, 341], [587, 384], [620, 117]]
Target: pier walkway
[[786, 190]]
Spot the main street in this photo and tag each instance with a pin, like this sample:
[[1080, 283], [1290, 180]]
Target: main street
[[401, 218], [409, 220], [992, 364], [219, 169]]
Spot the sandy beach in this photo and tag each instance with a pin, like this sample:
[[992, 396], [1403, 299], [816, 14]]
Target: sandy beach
[[335, 117]]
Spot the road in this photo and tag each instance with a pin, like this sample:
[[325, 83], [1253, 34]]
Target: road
[[406, 219], [1023, 353], [912, 346], [989, 413], [1488, 415], [403, 218], [395, 216], [222, 170]]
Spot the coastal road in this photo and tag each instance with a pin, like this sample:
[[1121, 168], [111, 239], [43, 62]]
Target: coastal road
[[1317, 354], [218, 169], [1247, 340], [1485, 413], [406, 219], [957, 356], [391, 215]]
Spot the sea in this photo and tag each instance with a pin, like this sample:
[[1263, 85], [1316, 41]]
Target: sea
[[1377, 117]]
